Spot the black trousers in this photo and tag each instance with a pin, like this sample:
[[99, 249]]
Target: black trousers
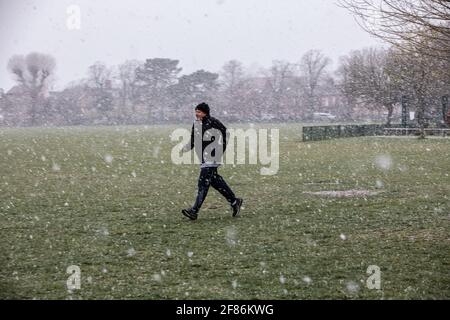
[[210, 177]]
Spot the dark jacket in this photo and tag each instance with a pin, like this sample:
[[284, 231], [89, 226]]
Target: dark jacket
[[208, 123]]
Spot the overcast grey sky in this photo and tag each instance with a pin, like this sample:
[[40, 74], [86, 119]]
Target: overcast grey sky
[[202, 34]]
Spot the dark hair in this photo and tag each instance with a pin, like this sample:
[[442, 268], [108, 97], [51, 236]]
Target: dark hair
[[203, 107]]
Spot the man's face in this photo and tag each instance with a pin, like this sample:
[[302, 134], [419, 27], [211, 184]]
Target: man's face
[[199, 114]]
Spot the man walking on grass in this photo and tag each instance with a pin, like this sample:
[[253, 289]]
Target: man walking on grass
[[205, 132]]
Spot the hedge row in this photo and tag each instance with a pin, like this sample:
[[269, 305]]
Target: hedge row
[[316, 133]]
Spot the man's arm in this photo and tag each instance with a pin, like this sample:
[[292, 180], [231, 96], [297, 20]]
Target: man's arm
[[225, 134], [190, 145]]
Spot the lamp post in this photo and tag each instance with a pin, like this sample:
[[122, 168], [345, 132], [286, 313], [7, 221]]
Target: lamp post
[[404, 111], [445, 109]]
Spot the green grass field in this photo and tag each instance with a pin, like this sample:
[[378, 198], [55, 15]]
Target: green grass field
[[119, 220]]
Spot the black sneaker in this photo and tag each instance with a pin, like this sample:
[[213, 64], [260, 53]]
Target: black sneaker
[[189, 213], [237, 206]]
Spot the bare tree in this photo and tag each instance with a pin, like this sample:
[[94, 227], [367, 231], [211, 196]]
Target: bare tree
[[421, 81], [367, 78], [278, 79], [232, 75], [100, 80], [234, 87], [35, 73], [129, 88], [423, 24], [313, 66], [99, 75]]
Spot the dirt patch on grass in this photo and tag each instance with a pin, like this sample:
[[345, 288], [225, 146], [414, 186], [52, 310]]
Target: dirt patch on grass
[[430, 234], [345, 193]]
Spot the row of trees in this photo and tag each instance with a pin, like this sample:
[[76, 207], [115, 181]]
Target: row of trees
[[138, 92], [418, 63], [153, 90], [382, 77]]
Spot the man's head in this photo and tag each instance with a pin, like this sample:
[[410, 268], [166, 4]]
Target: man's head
[[201, 111]]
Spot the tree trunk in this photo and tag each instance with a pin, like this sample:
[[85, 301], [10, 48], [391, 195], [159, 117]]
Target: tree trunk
[[390, 109], [421, 118], [34, 102]]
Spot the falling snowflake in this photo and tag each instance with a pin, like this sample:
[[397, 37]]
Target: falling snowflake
[[156, 152], [231, 236], [383, 162], [307, 280], [131, 252], [157, 277], [352, 287], [379, 184], [108, 158], [103, 231], [343, 236]]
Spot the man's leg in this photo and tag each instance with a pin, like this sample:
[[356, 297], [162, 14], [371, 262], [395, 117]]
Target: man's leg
[[218, 183], [204, 181]]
